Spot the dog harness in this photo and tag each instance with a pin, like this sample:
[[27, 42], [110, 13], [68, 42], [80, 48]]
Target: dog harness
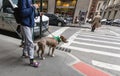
[[57, 38]]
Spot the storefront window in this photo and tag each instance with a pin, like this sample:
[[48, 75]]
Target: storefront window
[[65, 7], [45, 5]]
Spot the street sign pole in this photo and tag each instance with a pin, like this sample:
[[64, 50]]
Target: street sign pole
[[41, 8]]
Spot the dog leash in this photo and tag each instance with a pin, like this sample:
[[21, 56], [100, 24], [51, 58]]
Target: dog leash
[[47, 30]]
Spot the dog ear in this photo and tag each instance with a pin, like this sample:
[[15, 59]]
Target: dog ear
[[63, 39], [61, 36]]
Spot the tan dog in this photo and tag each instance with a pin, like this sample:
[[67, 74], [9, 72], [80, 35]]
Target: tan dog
[[51, 42]]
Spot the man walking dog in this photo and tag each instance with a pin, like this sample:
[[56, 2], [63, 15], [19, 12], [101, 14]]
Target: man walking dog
[[27, 12]]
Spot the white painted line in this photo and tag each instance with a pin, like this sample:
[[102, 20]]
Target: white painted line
[[9, 39], [94, 51], [106, 65], [97, 45], [117, 34], [58, 32], [88, 39], [99, 37]]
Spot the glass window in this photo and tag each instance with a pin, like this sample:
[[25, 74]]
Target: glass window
[[65, 7]]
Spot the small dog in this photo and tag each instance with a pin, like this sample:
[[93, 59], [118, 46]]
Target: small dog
[[51, 42]]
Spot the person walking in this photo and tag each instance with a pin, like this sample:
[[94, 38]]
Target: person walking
[[96, 22], [27, 12]]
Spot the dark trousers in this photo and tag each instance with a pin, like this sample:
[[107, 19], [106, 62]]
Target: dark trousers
[[93, 28]]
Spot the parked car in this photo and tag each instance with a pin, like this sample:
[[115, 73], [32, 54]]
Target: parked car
[[68, 19], [103, 21], [109, 21], [8, 22], [116, 22], [55, 20], [106, 21]]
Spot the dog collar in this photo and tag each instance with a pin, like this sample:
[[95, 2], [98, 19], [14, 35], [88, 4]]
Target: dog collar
[[57, 38]]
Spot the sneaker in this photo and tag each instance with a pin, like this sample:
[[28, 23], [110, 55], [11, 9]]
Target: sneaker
[[35, 64]]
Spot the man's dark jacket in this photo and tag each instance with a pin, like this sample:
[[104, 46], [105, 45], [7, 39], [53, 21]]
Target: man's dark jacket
[[27, 12]]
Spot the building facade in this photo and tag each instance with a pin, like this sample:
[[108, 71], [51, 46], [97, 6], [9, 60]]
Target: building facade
[[100, 7], [92, 9], [73, 8], [112, 9]]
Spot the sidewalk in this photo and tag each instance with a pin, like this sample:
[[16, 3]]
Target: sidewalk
[[11, 63]]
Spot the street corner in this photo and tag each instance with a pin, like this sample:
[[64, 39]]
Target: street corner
[[88, 70]]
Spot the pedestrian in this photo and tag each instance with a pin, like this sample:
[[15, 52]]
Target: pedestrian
[[27, 12], [96, 22], [76, 19], [81, 20]]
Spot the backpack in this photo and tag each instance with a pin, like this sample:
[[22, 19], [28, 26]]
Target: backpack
[[17, 15]]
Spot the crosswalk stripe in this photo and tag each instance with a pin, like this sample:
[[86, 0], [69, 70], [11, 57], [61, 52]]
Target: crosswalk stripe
[[96, 45], [106, 65], [117, 34], [75, 36], [88, 39], [100, 37], [93, 51], [58, 32]]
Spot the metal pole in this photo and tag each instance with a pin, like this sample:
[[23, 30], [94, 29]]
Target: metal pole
[[41, 8]]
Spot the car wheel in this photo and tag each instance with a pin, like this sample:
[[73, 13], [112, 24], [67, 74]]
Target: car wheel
[[59, 24]]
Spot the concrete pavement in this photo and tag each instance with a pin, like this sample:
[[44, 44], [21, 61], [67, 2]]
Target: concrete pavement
[[11, 63]]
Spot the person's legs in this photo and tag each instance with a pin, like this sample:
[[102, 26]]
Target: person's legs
[[29, 46], [25, 53], [93, 28]]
